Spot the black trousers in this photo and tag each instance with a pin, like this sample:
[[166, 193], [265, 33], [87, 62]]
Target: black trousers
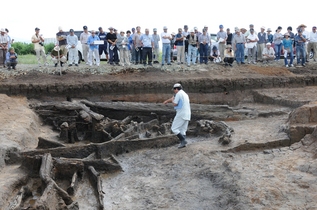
[[228, 60], [147, 53]]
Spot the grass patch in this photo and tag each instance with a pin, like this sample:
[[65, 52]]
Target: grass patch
[[27, 59]]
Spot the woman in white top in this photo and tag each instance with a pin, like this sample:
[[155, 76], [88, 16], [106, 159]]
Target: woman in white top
[[277, 40]]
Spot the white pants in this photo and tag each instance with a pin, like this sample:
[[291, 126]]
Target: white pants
[[180, 54], [179, 125], [73, 55], [94, 52], [55, 60], [85, 52], [39, 53], [124, 57]]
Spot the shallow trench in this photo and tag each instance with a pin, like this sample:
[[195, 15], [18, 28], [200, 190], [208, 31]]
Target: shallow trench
[[206, 174]]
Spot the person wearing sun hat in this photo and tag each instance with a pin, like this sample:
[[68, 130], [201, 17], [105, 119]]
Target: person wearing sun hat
[[300, 40], [287, 47], [181, 103], [113, 50], [268, 53], [306, 34], [269, 35], [228, 56]]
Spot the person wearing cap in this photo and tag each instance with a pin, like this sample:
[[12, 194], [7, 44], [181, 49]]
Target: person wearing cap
[[221, 39], [204, 40], [306, 34], [11, 58], [287, 47], [179, 42], [58, 56], [192, 47], [228, 56], [3, 46], [83, 40], [181, 104], [166, 46], [138, 46], [277, 40], [61, 37], [122, 45], [312, 44], [156, 49], [215, 54], [148, 46], [300, 40], [261, 43], [103, 47], [238, 42], [252, 40], [72, 41], [93, 48], [185, 34], [38, 41], [268, 53], [269, 35], [113, 50]]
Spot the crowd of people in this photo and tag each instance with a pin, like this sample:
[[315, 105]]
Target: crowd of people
[[134, 47]]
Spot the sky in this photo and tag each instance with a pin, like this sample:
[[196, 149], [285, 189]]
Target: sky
[[125, 14]]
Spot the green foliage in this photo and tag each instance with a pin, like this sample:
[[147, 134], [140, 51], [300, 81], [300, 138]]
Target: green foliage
[[27, 59], [22, 48], [49, 47]]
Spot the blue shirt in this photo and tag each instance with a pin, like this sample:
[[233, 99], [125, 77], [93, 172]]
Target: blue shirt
[[11, 60], [179, 43], [91, 40], [270, 38], [147, 40], [299, 41], [288, 43]]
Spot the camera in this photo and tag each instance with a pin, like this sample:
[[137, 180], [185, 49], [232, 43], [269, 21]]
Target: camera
[[41, 43], [230, 50]]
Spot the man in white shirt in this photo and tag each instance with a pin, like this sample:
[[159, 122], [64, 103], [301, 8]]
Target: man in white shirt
[[83, 39], [3, 46], [183, 113], [252, 40], [312, 44], [268, 53], [166, 46]]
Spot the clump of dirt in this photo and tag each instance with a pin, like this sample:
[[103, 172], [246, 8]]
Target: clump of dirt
[[270, 70]]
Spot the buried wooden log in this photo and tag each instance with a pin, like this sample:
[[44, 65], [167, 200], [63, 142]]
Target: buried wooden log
[[45, 144], [51, 186], [73, 185], [97, 184], [104, 150], [17, 203]]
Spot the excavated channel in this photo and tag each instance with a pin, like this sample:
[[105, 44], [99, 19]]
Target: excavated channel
[[155, 174]]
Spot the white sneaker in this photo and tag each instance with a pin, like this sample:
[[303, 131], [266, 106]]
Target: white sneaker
[[286, 65], [292, 65]]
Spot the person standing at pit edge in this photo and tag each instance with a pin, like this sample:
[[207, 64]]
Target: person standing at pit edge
[[181, 104]]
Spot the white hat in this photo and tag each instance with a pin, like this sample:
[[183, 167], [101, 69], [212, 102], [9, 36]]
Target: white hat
[[269, 30], [60, 28], [110, 28], [192, 31], [268, 43], [56, 48], [2, 30], [236, 29], [173, 33], [177, 85], [164, 27], [195, 28]]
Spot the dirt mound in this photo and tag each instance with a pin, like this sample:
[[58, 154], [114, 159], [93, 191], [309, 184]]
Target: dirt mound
[[270, 70]]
